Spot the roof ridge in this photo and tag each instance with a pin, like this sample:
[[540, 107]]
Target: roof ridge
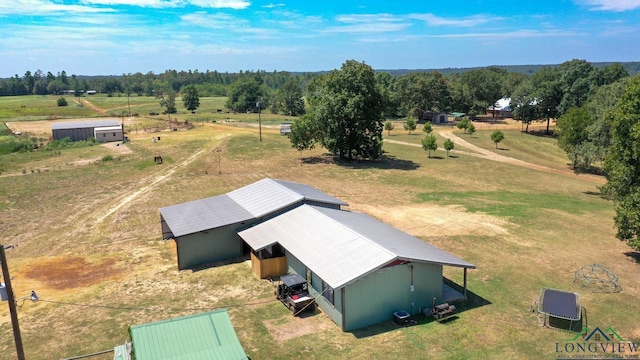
[[316, 208]]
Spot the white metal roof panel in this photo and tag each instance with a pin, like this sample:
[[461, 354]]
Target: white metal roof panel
[[268, 195], [394, 240], [334, 252], [205, 214], [84, 124], [341, 246], [264, 197]]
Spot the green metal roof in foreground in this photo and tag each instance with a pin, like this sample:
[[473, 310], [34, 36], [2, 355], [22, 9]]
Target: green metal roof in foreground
[[205, 336]]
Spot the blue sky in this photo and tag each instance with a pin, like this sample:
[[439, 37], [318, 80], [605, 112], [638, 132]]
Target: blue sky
[[113, 37]]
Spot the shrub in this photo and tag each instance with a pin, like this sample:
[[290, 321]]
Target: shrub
[[62, 101], [107, 158]]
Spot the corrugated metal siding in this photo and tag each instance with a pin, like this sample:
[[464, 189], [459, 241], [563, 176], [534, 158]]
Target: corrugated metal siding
[[427, 279], [217, 244], [333, 311], [294, 265], [376, 297], [73, 134], [77, 131]]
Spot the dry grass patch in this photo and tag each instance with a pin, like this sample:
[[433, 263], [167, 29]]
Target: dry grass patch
[[425, 220]]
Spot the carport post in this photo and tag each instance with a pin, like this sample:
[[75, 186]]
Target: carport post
[[465, 284]]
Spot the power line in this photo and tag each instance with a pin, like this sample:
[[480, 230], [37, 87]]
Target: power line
[[111, 307]]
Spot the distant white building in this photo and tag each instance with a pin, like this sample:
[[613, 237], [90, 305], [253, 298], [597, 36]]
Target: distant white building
[[501, 108]]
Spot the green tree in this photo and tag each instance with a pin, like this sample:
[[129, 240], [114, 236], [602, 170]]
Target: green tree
[[485, 87], [448, 145], [463, 124], [429, 144], [388, 125], [289, 99], [168, 101], [244, 95], [427, 128], [420, 92], [497, 136], [572, 131], [190, 98], [471, 129], [622, 165], [345, 113], [410, 125]]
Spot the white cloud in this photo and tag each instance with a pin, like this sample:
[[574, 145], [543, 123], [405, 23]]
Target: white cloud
[[44, 7], [213, 21], [459, 22], [139, 3], [219, 4], [272, 5], [610, 5], [214, 4], [368, 23]]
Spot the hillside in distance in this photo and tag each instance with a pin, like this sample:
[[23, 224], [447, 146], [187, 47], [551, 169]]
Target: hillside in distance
[[632, 67]]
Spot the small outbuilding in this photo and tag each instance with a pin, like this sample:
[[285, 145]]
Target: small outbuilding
[[203, 336], [81, 130], [359, 269], [108, 134], [206, 230]]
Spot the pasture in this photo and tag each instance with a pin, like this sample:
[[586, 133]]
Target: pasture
[[89, 240]]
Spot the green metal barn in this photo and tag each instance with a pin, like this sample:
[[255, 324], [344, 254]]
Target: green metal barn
[[360, 269], [206, 230]]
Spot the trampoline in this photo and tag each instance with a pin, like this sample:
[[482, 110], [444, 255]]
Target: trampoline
[[559, 304]]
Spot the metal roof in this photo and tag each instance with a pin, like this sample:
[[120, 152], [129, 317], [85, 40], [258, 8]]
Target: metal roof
[[84, 124], [204, 214], [341, 246], [108, 128], [203, 336], [249, 202], [268, 195]]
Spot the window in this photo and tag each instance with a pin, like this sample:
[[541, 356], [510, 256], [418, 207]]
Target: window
[[327, 292], [114, 134], [104, 135]]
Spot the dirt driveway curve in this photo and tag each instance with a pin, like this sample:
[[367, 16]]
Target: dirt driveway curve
[[490, 155]]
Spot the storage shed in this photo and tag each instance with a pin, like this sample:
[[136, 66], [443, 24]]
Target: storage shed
[[108, 133], [206, 230], [81, 130], [203, 336], [360, 269]]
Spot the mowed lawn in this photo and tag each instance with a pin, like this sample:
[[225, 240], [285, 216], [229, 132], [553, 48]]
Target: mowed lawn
[[90, 244]]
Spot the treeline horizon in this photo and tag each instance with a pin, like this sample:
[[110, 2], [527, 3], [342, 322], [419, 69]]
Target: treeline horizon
[[406, 93]]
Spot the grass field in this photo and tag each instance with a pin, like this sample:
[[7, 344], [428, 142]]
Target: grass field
[[89, 234]]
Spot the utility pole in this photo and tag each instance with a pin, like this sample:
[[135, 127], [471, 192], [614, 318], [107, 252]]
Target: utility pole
[[259, 121], [12, 304]]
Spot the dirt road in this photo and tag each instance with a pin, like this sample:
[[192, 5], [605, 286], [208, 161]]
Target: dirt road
[[490, 155]]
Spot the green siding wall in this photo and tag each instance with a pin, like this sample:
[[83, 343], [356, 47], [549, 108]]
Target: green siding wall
[[375, 298], [213, 245], [331, 310]]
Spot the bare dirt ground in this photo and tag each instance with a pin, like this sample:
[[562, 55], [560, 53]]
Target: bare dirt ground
[[290, 327]]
